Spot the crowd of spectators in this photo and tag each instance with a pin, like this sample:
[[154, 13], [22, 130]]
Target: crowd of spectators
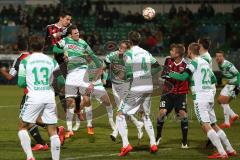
[[182, 26]]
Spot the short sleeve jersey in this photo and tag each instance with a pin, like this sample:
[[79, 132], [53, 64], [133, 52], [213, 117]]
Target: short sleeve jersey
[[37, 70], [77, 52]]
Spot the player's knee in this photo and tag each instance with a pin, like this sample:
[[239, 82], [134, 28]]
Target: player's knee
[[162, 113], [70, 102]]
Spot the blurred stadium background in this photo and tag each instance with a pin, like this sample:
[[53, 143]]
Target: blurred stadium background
[[103, 23]]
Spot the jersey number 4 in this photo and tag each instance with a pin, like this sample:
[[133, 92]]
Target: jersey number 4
[[38, 72]]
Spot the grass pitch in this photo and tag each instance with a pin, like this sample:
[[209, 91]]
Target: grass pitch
[[100, 147]]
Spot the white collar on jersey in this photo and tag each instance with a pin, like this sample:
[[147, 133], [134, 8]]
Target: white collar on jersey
[[179, 62]]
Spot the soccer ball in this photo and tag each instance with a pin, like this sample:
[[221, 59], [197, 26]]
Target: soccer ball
[[148, 13]]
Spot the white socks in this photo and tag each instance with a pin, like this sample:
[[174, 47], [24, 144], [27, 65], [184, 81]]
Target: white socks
[[225, 140], [69, 118], [122, 129], [88, 111], [212, 135], [110, 117], [55, 147], [149, 129], [228, 112], [26, 143]]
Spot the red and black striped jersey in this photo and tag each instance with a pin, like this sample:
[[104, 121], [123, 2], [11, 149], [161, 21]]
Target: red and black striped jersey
[[179, 87], [15, 67], [50, 40]]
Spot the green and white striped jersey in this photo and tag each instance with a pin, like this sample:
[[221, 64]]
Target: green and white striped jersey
[[77, 52], [35, 72], [230, 72], [139, 67], [117, 70]]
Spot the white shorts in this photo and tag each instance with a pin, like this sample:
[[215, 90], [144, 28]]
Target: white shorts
[[133, 101], [30, 112], [228, 91], [205, 112], [98, 92], [120, 91], [76, 80]]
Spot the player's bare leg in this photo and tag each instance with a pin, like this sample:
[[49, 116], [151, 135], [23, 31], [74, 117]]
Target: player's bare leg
[[69, 116], [229, 115]]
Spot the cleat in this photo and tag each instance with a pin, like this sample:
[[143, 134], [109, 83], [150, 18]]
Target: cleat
[[184, 146], [233, 153], [124, 151], [218, 156], [39, 147], [61, 134], [153, 148], [224, 125], [76, 127], [90, 130], [69, 134], [234, 118], [31, 158], [140, 132], [158, 140]]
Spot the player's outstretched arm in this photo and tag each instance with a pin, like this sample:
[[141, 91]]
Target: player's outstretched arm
[[57, 50], [179, 76]]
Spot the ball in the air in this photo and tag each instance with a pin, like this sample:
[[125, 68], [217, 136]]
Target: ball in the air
[[148, 13]]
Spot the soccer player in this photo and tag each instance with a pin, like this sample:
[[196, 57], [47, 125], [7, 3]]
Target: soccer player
[[138, 64], [202, 79], [33, 129], [120, 86], [100, 94], [34, 74], [230, 90], [177, 97], [77, 51]]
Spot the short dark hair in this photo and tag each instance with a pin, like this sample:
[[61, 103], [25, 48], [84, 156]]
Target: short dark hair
[[134, 37], [36, 43], [205, 42], [72, 27], [22, 44], [64, 14], [194, 48], [127, 42], [221, 52]]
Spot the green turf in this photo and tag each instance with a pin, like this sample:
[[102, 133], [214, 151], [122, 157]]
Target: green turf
[[81, 146]]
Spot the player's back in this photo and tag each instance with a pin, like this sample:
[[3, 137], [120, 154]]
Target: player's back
[[38, 70], [140, 61], [201, 83]]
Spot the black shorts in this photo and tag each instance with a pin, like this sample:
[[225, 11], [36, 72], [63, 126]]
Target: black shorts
[[176, 101]]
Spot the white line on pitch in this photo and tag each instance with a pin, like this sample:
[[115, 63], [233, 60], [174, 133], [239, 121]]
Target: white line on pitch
[[108, 155], [9, 106]]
